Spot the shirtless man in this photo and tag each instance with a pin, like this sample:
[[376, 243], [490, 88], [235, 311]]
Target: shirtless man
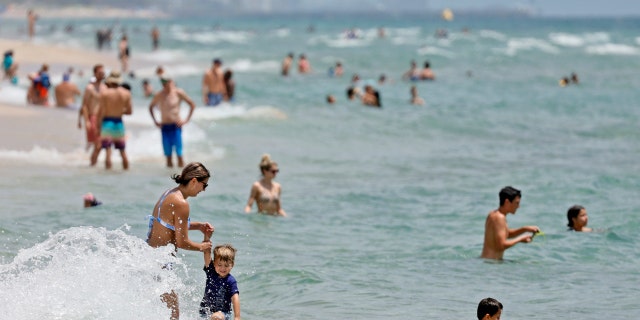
[[155, 37], [169, 100], [115, 101], [286, 64], [91, 107], [213, 88], [427, 73], [497, 235], [66, 93]]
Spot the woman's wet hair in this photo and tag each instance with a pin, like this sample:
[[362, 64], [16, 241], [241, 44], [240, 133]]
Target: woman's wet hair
[[266, 163], [192, 170], [573, 212]]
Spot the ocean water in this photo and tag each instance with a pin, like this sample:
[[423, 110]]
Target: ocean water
[[386, 207]]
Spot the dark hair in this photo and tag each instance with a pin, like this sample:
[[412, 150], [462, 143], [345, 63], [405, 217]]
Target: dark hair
[[96, 67], [227, 74], [488, 306], [509, 193], [573, 212], [192, 170], [350, 92], [427, 64]]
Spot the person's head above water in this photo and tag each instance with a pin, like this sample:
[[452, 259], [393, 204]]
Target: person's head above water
[[577, 218], [509, 193], [489, 309]]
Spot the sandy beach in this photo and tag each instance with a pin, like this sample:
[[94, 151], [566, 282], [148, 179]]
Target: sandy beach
[[46, 127], [29, 56]]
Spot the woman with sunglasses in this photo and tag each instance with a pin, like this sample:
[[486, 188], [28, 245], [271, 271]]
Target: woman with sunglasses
[[266, 192], [170, 223]]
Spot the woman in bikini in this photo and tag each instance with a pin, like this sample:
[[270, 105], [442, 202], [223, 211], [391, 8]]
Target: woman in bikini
[[266, 192], [170, 223]]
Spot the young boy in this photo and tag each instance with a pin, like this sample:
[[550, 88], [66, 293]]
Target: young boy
[[489, 309], [221, 290]]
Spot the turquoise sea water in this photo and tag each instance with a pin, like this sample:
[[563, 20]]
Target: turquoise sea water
[[386, 207]]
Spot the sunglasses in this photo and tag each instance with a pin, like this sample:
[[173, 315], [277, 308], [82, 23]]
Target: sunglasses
[[275, 171], [204, 185]]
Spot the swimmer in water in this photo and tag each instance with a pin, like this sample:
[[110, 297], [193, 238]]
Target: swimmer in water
[[266, 192]]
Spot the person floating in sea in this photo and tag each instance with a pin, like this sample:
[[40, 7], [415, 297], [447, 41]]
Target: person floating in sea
[[371, 97], [115, 102], [304, 66], [168, 100], [497, 235], [564, 82], [221, 289], [574, 78], [427, 73], [286, 64], [266, 192], [415, 98], [578, 219], [213, 88], [413, 74], [90, 200]]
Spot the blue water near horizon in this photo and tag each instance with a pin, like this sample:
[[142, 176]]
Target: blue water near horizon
[[387, 207]]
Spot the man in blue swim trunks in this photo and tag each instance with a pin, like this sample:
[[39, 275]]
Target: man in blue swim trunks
[[169, 100], [213, 87], [115, 102]]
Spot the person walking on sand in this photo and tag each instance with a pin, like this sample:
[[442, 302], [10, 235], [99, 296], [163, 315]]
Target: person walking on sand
[[168, 100], [266, 192], [66, 93], [90, 107], [213, 88], [169, 223], [497, 235], [115, 102]]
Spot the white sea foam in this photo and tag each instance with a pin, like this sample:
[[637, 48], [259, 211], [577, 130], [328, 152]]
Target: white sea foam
[[247, 65], [518, 44], [491, 34], [435, 51], [613, 49], [91, 273], [573, 40]]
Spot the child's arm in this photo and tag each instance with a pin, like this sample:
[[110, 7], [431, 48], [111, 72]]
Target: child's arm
[[235, 301], [207, 252]]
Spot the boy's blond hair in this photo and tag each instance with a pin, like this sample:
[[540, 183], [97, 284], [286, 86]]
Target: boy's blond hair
[[225, 252]]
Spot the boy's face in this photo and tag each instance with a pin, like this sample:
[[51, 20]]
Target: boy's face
[[222, 268]]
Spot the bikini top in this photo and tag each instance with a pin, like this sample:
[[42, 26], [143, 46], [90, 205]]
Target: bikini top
[[163, 223]]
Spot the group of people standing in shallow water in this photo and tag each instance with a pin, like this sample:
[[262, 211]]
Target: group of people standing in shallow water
[[170, 222]]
